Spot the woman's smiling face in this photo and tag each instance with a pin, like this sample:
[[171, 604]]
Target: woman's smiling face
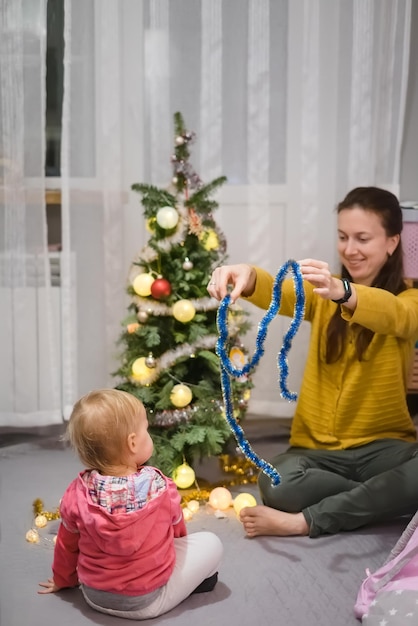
[[363, 245]]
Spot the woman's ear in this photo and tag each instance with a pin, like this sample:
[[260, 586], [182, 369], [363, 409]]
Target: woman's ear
[[393, 244]]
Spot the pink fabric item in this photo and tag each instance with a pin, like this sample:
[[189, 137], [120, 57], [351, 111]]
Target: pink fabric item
[[127, 553], [399, 573]]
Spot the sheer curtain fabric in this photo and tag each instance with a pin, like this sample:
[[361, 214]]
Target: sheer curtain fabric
[[295, 102]]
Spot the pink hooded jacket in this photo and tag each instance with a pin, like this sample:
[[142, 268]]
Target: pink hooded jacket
[[127, 553]]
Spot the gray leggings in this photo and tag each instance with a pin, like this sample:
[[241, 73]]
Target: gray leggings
[[340, 490]]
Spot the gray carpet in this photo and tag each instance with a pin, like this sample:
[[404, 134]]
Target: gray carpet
[[289, 582]]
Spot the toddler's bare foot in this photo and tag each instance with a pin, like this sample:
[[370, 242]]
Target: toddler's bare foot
[[262, 520]]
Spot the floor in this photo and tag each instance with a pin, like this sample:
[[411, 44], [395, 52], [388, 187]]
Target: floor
[[293, 581]]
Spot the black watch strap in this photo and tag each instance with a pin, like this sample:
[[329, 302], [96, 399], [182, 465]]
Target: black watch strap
[[347, 292]]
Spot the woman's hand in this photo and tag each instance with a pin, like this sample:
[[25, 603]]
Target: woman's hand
[[241, 277], [318, 274], [50, 586], [328, 287]]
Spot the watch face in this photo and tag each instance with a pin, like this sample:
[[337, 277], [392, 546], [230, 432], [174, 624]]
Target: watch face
[[347, 288], [347, 292]]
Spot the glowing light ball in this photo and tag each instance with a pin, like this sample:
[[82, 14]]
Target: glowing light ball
[[193, 506], [220, 498], [187, 514], [183, 311], [160, 288], [167, 217], [40, 521], [140, 371], [32, 536], [142, 284], [242, 500], [181, 395], [184, 476]]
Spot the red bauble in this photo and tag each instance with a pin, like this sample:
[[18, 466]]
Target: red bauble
[[160, 288]]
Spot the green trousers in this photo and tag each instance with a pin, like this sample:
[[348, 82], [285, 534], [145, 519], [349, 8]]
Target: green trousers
[[339, 490]]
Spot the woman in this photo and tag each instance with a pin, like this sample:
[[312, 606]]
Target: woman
[[353, 453]]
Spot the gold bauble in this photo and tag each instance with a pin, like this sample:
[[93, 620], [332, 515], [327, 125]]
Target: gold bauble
[[140, 371], [142, 284], [242, 500], [181, 395], [184, 476], [150, 224], [209, 240], [40, 521], [183, 311]]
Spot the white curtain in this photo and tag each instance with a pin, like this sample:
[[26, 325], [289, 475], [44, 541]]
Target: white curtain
[[294, 101], [30, 372]]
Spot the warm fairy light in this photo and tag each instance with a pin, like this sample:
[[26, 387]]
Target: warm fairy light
[[193, 506], [242, 500], [184, 476], [220, 498], [187, 514], [32, 536], [40, 521]]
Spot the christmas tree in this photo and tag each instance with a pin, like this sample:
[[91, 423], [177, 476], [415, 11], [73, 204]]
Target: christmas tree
[[169, 358]]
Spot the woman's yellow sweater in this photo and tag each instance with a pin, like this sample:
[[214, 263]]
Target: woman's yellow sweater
[[350, 402]]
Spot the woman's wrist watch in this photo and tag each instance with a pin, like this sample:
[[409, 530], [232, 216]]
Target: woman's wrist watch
[[347, 292]]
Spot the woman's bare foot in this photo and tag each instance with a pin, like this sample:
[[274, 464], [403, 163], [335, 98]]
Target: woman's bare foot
[[262, 520]]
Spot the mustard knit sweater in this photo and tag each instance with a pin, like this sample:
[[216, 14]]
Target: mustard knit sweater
[[350, 402]]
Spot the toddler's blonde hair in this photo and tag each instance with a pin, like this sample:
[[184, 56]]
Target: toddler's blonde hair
[[99, 426]]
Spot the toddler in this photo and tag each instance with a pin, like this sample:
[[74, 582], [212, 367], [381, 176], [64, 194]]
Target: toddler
[[122, 536]]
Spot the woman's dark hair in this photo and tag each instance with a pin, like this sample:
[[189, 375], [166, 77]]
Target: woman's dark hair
[[390, 277]]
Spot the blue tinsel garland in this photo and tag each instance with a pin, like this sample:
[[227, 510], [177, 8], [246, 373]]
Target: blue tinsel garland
[[227, 369]]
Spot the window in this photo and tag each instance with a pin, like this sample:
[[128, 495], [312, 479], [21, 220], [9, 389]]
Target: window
[[54, 84]]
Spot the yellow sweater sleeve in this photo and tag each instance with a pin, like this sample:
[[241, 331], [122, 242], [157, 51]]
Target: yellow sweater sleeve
[[384, 313], [350, 402]]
